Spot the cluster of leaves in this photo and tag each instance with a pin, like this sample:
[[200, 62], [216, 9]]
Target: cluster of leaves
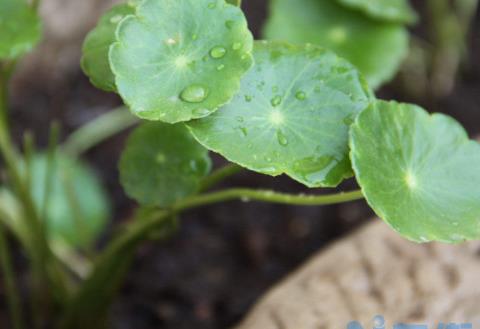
[[279, 108]]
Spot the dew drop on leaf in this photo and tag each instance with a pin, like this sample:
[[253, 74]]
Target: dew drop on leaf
[[194, 94], [218, 52], [220, 67], [282, 139], [115, 19], [244, 131], [229, 24], [300, 95], [248, 98], [212, 5], [276, 101], [237, 46], [201, 112]]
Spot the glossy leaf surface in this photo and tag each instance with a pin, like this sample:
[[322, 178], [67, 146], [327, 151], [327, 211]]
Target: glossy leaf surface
[[396, 11], [20, 28], [419, 172], [97, 44], [375, 48], [78, 208], [291, 116], [176, 60], [162, 164]]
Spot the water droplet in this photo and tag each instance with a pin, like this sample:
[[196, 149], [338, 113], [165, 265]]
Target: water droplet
[[248, 98], [160, 158], [194, 94], [220, 67], [300, 95], [194, 37], [201, 112], [244, 131], [170, 41], [211, 5], [268, 159], [275, 89], [282, 139], [240, 119], [275, 101], [218, 52], [229, 24], [237, 46], [205, 58], [115, 19]]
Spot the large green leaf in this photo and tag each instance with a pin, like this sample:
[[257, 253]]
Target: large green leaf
[[420, 173], [291, 116], [78, 208], [396, 11], [180, 59], [97, 44], [20, 28], [376, 48], [162, 164]]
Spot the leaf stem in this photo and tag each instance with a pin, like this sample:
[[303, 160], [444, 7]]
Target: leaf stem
[[219, 175], [13, 297], [98, 130], [246, 194]]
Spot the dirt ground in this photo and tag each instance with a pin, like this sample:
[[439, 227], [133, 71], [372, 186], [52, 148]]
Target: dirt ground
[[225, 256]]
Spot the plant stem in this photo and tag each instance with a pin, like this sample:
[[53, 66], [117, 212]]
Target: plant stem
[[11, 291], [267, 196], [114, 261], [219, 175], [98, 130]]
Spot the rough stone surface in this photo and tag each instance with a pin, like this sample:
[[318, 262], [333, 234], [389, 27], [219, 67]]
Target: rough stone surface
[[375, 271]]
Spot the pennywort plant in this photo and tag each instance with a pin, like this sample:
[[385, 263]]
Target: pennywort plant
[[300, 103]]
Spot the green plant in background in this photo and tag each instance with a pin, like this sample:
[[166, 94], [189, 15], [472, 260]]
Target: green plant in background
[[192, 69]]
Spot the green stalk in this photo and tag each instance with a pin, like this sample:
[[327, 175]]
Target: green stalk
[[49, 172], [98, 130], [91, 302], [13, 297], [41, 259]]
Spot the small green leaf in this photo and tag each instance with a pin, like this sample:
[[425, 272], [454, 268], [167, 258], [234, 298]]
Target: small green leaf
[[180, 59], [291, 116], [78, 208], [419, 172], [375, 48], [20, 28], [97, 44], [162, 164], [395, 11]]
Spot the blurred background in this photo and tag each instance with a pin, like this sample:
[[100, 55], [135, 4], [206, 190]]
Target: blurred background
[[224, 257]]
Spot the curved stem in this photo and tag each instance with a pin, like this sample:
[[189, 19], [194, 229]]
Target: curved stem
[[13, 297], [267, 196], [98, 130], [219, 175]]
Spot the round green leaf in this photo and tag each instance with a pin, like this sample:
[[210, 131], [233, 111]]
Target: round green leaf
[[78, 208], [291, 116], [419, 172], [162, 164], [20, 28], [180, 59], [375, 48], [396, 11], [97, 44]]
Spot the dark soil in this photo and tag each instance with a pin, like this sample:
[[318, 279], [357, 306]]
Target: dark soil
[[224, 257]]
